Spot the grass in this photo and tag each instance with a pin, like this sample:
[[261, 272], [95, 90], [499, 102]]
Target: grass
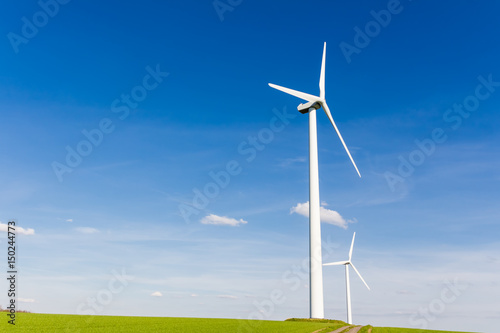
[[405, 330], [45, 323]]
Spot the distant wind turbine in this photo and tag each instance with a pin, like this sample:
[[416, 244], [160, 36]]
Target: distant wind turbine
[[315, 262], [348, 288]]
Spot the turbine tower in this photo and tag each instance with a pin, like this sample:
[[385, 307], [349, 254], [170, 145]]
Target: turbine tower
[[347, 285], [315, 260]]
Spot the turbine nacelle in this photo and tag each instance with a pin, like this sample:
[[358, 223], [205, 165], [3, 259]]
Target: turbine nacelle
[[304, 108]]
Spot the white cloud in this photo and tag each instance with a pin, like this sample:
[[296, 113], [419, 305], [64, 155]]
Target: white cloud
[[26, 300], [222, 220], [327, 215], [157, 294], [19, 230], [87, 230], [69, 220]]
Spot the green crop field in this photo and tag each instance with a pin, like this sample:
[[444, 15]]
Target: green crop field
[[44, 323]]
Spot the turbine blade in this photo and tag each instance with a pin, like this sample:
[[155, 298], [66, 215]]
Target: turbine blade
[[304, 96], [352, 246], [327, 111], [322, 75], [360, 276], [336, 263]]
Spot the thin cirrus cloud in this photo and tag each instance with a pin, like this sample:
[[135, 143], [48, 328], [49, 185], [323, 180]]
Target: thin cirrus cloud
[[222, 220], [26, 300], [19, 230], [327, 215], [291, 161], [227, 296], [86, 230]]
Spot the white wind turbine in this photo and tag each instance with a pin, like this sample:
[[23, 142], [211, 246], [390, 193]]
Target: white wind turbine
[[315, 261], [347, 285]]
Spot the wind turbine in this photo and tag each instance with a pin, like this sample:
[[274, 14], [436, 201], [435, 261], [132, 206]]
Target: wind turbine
[[347, 286], [315, 260]]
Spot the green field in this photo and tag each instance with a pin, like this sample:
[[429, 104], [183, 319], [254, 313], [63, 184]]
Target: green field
[[404, 330], [44, 323]]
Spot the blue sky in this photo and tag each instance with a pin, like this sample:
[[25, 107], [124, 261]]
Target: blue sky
[[174, 93]]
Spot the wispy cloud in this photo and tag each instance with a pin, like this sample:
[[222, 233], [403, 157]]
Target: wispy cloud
[[69, 220], [327, 215], [87, 230], [227, 296], [222, 220], [112, 165], [157, 294], [19, 230], [26, 300], [289, 161]]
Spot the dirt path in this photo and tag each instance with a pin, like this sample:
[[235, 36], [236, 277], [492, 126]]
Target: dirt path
[[339, 330], [342, 329], [355, 329]]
